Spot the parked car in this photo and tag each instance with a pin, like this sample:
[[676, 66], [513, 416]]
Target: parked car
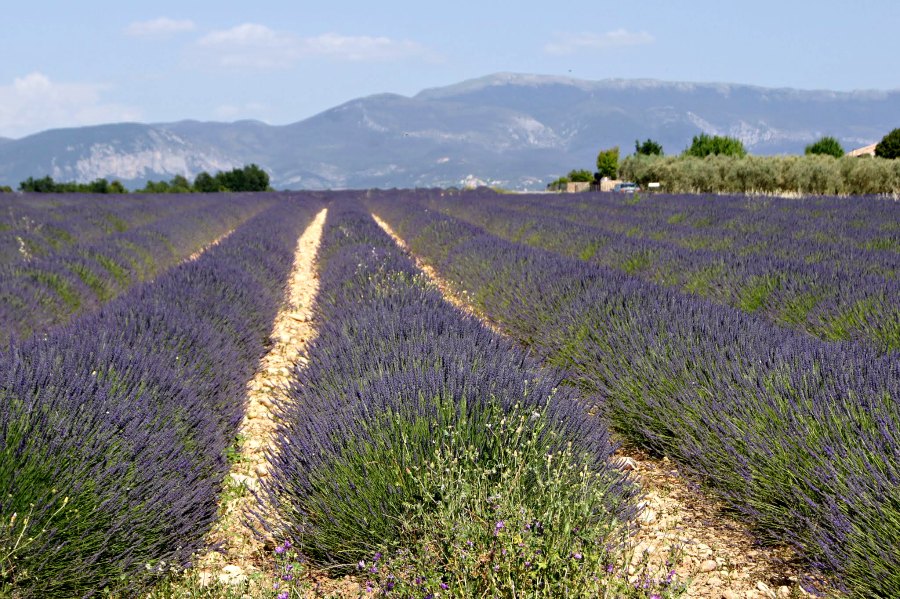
[[627, 186]]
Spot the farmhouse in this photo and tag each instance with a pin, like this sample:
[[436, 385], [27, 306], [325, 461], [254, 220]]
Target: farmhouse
[[864, 151]]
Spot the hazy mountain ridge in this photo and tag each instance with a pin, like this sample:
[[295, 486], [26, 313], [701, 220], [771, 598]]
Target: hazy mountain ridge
[[510, 129]]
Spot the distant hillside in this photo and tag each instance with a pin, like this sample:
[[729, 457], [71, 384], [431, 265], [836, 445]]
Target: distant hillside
[[508, 129]]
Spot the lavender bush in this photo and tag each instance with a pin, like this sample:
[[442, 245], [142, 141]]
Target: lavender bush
[[796, 434], [114, 428], [397, 374]]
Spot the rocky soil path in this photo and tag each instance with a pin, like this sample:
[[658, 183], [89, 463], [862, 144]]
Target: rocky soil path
[[196, 255], [240, 554], [715, 555]]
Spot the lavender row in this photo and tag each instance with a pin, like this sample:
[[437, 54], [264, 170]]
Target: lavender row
[[40, 291], [851, 295], [394, 368], [824, 230], [114, 428], [798, 435], [39, 225]]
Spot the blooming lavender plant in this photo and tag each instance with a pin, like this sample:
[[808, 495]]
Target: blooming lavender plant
[[797, 434], [394, 372], [114, 428]]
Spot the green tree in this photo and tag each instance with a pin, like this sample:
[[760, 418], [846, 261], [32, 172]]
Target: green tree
[[43, 185], [889, 146], [180, 184], [648, 148], [559, 184], [98, 186], [580, 176], [205, 183], [828, 146], [704, 145], [255, 178], [117, 187], [608, 162], [155, 187], [5, 189], [248, 178]]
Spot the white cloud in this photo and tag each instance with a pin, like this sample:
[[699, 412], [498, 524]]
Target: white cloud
[[160, 27], [250, 46], [35, 103], [232, 112], [572, 43], [257, 46], [361, 47]]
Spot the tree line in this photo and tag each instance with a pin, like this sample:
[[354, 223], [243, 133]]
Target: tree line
[[714, 163], [247, 178]]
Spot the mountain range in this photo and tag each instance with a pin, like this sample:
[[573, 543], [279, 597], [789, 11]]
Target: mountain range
[[513, 130]]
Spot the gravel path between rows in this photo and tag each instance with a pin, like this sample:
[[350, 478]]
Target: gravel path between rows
[[240, 553], [715, 554], [196, 255]]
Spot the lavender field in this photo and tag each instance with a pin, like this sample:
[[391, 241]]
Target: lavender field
[[764, 359], [429, 450]]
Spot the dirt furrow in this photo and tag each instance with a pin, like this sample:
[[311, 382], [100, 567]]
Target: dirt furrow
[[196, 255], [715, 555], [240, 554]]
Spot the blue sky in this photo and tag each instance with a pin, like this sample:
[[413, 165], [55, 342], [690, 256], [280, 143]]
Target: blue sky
[[94, 61]]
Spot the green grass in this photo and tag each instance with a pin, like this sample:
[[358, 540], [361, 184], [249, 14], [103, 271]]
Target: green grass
[[95, 283], [589, 251], [702, 281], [796, 309], [144, 264], [62, 288], [637, 262], [116, 224], [754, 295], [883, 243], [112, 267]]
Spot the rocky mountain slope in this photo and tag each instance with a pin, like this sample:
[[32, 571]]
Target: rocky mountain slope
[[507, 129]]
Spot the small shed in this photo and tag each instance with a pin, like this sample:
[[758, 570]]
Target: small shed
[[577, 186]]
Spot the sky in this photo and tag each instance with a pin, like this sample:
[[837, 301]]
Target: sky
[[67, 64]]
